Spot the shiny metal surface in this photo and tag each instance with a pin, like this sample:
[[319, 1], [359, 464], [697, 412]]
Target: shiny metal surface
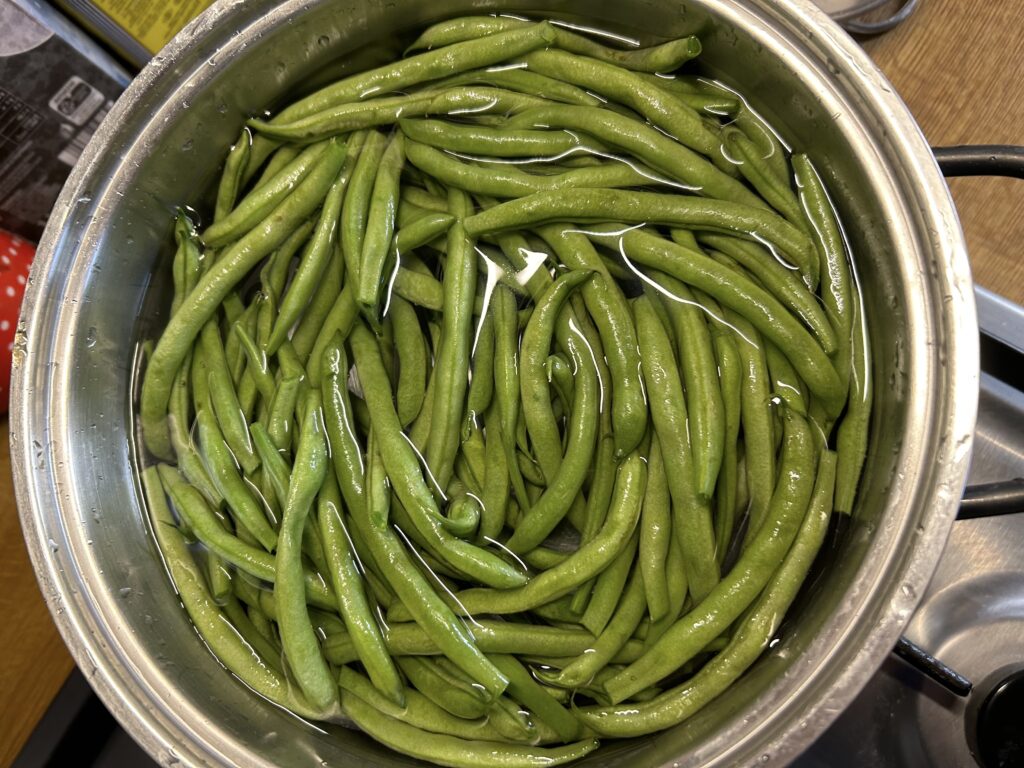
[[100, 282], [972, 616]]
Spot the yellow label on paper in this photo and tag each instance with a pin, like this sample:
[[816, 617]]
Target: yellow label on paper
[[152, 22]]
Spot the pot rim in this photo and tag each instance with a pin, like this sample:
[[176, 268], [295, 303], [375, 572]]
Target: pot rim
[[161, 733]]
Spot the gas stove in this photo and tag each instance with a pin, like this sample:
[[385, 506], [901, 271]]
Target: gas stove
[[971, 620]]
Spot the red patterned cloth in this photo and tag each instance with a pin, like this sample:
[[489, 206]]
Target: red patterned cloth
[[15, 259]]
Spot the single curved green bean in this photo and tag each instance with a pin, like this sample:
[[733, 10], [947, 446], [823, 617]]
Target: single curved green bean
[[837, 286], [852, 439], [473, 139], [523, 80], [411, 348], [746, 645], [231, 178], [258, 204], [645, 208], [503, 181], [422, 231], [756, 411], [481, 385], [655, 535], [230, 269], [380, 228], [741, 586], [452, 358]]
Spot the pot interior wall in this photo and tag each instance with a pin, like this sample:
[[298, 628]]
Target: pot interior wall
[[109, 279]]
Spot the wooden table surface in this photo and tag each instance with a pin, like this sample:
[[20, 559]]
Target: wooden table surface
[[958, 65]]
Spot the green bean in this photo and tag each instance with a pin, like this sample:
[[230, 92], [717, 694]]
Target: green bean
[[523, 81], [224, 473], [422, 231], [186, 265], [473, 139], [560, 376], [608, 588], [412, 360], [735, 291], [852, 439], [756, 418], [259, 203], [655, 535], [399, 75], [356, 205], [380, 228], [837, 287], [300, 643], [700, 379], [658, 58], [692, 515], [451, 751], [224, 399], [181, 437], [568, 478], [231, 178], [506, 382], [422, 290], [786, 385], [712, 615], [424, 199], [746, 645], [232, 266], [279, 156], [779, 280], [282, 409], [195, 511], [452, 358], [481, 385], [715, 105], [269, 652], [644, 208], [258, 365], [501, 180], [625, 620], [225, 643], [675, 575]]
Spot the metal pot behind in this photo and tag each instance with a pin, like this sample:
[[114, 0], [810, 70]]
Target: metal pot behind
[[100, 283]]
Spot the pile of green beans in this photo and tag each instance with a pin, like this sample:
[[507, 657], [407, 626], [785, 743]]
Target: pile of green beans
[[509, 390]]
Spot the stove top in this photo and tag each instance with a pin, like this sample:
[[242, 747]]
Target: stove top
[[972, 616]]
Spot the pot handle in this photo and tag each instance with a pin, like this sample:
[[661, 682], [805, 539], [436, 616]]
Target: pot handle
[[981, 160]]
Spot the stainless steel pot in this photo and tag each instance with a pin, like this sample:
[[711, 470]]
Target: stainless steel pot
[[101, 274]]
